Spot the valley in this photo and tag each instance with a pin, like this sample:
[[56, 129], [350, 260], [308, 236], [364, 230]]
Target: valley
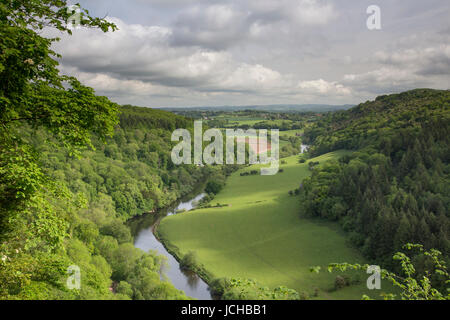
[[260, 234]]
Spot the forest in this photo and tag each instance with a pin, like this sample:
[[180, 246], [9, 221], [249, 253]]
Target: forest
[[394, 188], [129, 175], [74, 167]]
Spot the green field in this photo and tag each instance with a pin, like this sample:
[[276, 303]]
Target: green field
[[261, 236], [290, 133], [250, 121]]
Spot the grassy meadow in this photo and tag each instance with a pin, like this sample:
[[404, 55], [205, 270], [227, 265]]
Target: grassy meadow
[[261, 236]]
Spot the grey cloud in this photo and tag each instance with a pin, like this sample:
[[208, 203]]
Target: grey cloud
[[215, 27], [185, 52], [224, 25]]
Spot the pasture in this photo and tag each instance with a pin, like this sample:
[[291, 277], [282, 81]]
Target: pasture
[[260, 235]]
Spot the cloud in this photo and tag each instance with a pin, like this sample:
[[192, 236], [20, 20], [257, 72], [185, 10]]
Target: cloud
[[186, 52], [322, 87], [139, 60], [423, 61], [416, 60], [223, 25], [301, 12], [214, 27], [384, 80]]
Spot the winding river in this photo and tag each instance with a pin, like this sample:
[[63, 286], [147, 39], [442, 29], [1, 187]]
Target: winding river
[[142, 230]]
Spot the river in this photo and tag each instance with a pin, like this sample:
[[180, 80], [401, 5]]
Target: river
[[142, 230]]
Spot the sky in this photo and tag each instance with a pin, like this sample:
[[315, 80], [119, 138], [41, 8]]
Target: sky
[[180, 53]]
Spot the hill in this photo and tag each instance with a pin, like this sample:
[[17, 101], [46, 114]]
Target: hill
[[267, 108], [395, 188]]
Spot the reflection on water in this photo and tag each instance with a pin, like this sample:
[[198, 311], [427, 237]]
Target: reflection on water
[[142, 229]]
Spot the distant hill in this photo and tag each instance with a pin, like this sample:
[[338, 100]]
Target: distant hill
[[377, 120], [273, 108]]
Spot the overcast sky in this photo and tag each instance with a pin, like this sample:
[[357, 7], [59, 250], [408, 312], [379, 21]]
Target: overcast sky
[[243, 52]]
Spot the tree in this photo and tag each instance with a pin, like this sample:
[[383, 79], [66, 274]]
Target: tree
[[413, 286], [33, 93], [213, 187]]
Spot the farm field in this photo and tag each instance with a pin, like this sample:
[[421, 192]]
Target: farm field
[[261, 236], [291, 133]]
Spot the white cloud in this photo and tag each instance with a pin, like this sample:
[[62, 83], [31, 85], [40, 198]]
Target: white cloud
[[139, 61], [220, 26], [258, 51], [312, 12], [322, 87]]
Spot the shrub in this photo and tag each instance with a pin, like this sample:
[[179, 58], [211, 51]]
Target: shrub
[[220, 285], [189, 261], [340, 282], [316, 292], [213, 187], [304, 296]]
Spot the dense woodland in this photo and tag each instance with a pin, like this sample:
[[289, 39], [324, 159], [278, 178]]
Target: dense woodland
[[395, 188], [73, 168], [129, 175]]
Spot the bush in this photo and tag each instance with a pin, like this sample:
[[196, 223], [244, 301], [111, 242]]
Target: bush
[[316, 292], [220, 285], [341, 282], [189, 261], [213, 187], [304, 296]]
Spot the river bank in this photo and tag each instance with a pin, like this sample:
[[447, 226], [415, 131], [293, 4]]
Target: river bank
[[144, 230]]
